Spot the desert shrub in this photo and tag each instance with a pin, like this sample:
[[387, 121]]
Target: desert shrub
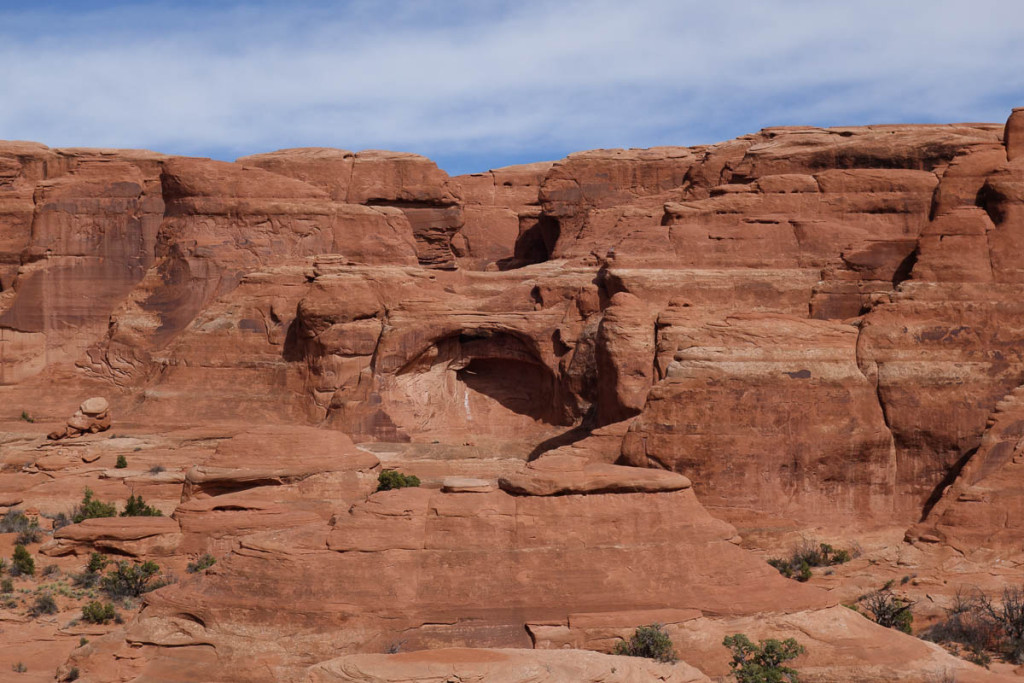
[[51, 570], [762, 663], [1009, 617], [72, 674], [19, 668], [136, 507], [889, 610], [204, 562], [44, 604], [968, 624], [98, 613], [60, 520], [6, 586], [806, 555], [29, 535], [15, 521], [157, 469], [91, 576], [86, 579], [122, 462], [649, 641], [22, 562], [393, 479], [90, 508], [97, 562], [983, 626], [83, 641], [129, 580], [26, 417]]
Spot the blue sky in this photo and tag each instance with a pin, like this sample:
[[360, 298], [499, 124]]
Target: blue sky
[[481, 84]]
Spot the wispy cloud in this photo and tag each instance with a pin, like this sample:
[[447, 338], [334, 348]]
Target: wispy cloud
[[478, 84]]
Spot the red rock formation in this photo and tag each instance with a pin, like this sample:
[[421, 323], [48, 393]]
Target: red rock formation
[[814, 326]]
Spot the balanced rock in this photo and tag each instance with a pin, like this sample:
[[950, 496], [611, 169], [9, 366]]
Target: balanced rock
[[91, 417]]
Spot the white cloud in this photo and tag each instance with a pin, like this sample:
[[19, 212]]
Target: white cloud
[[475, 80]]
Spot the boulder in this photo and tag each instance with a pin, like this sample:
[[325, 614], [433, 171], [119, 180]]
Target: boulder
[[91, 417]]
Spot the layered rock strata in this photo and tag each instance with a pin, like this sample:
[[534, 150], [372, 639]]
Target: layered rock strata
[[586, 361]]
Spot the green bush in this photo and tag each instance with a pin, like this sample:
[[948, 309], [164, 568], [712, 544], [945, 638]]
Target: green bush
[[122, 462], [136, 507], [97, 613], [204, 562], [762, 663], [648, 641], [72, 674], [44, 604], [19, 668], [97, 562], [806, 555], [6, 586], [22, 562], [393, 479], [26, 417], [131, 580], [90, 508], [91, 576]]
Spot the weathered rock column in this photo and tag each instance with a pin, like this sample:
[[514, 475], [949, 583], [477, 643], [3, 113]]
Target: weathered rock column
[[1013, 134]]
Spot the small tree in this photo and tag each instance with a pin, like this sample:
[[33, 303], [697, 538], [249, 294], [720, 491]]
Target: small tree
[[131, 580], [122, 462], [648, 641], [91, 576], [136, 507], [98, 613], [762, 663], [889, 610], [1010, 617], [97, 562], [392, 479], [22, 562], [90, 508]]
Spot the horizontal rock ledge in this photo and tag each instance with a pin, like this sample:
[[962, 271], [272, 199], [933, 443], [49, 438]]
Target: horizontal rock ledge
[[566, 474]]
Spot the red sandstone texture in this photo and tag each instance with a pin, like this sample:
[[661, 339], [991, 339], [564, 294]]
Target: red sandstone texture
[[624, 378]]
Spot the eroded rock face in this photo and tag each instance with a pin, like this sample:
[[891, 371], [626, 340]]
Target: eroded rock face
[[513, 666], [583, 361], [980, 511], [767, 412], [311, 263], [465, 569]]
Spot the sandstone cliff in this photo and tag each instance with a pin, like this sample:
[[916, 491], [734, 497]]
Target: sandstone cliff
[[819, 328]]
